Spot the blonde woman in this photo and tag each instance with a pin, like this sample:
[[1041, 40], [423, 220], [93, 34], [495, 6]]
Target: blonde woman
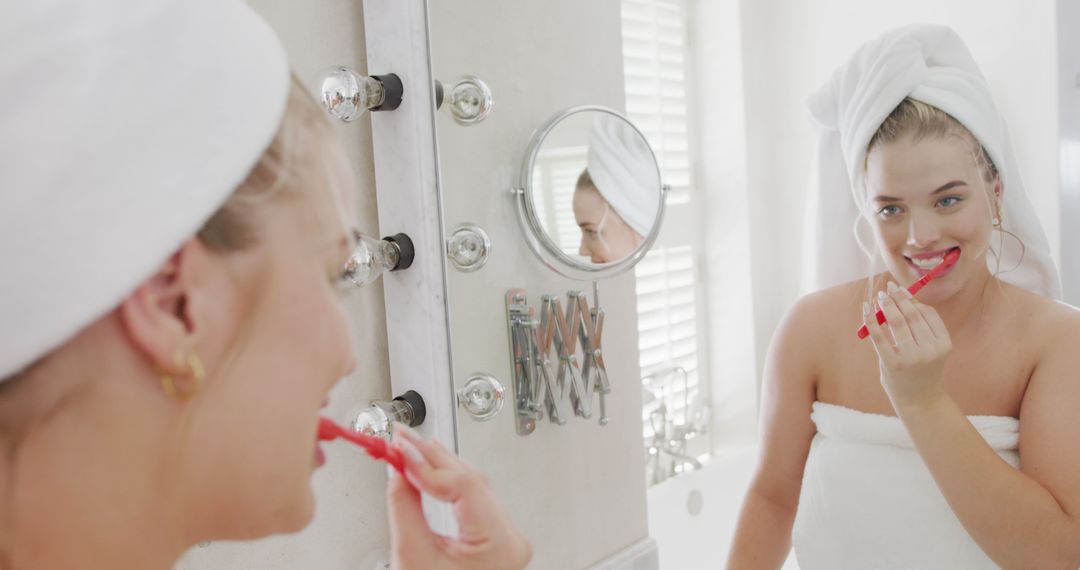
[[616, 197], [176, 215], [946, 439]]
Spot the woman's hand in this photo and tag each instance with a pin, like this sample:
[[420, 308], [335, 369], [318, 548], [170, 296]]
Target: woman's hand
[[487, 538], [912, 347]]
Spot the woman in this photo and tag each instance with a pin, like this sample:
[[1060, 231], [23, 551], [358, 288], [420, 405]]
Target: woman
[[946, 440], [615, 198], [176, 218]]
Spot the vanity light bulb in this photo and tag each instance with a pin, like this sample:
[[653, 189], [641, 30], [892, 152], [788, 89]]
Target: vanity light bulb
[[378, 418], [372, 420], [347, 95], [370, 259], [468, 100]]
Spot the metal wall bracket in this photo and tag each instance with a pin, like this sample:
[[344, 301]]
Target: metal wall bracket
[[546, 369]]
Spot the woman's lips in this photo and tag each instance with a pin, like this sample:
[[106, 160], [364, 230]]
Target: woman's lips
[[921, 271], [320, 457]]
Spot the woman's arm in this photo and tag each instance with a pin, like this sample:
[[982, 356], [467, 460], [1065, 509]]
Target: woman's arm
[[1021, 519], [763, 535]]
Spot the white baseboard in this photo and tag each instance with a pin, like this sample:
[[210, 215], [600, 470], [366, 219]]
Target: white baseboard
[[642, 555]]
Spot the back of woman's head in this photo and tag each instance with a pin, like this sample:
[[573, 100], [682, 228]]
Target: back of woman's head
[[293, 162]]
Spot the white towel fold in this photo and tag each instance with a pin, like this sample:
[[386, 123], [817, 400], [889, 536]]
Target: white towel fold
[[868, 500], [623, 168]]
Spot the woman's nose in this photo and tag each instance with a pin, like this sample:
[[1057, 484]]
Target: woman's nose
[[922, 231], [583, 250]]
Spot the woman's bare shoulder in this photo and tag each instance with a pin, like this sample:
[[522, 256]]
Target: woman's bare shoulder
[[829, 303], [1045, 319], [1048, 330], [812, 324]]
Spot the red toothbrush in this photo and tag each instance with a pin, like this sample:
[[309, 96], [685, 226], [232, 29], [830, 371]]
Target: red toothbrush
[[949, 261], [374, 446]]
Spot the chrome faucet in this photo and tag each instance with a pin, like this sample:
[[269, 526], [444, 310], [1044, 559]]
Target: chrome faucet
[[671, 436]]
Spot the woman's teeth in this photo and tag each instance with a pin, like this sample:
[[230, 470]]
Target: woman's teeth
[[928, 263]]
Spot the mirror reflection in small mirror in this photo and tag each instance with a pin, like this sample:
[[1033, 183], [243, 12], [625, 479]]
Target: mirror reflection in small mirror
[[596, 187]]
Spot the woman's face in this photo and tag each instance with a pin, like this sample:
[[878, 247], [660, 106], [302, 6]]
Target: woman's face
[[605, 237], [254, 434], [924, 198]]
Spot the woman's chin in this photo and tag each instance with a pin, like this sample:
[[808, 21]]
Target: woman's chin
[[303, 513], [286, 519]]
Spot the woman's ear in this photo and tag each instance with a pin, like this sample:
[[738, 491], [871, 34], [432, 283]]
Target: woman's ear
[[157, 316]]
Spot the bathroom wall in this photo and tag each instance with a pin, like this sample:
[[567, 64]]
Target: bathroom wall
[[720, 103], [1068, 16], [577, 490], [791, 46], [349, 531]]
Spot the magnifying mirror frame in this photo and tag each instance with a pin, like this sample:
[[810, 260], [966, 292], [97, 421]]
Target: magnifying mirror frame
[[541, 243]]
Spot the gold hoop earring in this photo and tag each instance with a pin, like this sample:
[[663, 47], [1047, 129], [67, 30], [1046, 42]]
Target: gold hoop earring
[[1001, 247], [198, 375]]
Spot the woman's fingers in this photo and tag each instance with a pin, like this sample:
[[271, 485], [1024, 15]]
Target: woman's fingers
[[933, 320], [412, 542], [403, 500], [433, 453], [905, 303], [445, 477], [895, 320], [883, 343]]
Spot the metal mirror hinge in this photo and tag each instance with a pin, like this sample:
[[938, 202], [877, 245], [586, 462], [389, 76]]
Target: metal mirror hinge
[[547, 373]]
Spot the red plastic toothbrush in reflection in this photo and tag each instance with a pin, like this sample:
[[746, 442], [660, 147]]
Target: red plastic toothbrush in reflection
[[374, 446], [949, 261]]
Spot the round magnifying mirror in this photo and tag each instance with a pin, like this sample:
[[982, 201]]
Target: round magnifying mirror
[[591, 200]]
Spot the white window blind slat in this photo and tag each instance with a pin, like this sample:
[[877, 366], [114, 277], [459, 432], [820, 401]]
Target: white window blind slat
[[655, 61]]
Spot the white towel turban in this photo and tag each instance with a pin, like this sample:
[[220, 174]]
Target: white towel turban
[[623, 168], [930, 64], [124, 125]]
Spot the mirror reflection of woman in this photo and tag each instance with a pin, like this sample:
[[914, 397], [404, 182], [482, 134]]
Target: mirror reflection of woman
[[176, 215], [617, 195], [948, 439]]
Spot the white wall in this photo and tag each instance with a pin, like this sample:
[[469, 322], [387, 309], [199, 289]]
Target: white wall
[[720, 129], [791, 46], [1069, 109]]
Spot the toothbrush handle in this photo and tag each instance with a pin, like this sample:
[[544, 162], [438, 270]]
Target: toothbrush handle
[[915, 288], [865, 332]]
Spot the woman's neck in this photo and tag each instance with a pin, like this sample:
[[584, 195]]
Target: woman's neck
[[966, 310], [83, 493]]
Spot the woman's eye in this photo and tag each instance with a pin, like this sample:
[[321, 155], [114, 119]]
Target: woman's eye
[[949, 201], [889, 211]]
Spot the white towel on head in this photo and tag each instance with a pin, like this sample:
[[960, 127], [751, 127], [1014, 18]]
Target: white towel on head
[[930, 64], [624, 170], [124, 124]]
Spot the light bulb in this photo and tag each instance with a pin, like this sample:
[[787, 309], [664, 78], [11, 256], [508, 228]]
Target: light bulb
[[347, 95], [371, 257]]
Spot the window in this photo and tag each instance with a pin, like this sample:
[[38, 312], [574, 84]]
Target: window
[[670, 315], [555, 176]]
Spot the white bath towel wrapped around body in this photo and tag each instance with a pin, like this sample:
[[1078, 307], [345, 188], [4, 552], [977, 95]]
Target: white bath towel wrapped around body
[[869, 502]]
